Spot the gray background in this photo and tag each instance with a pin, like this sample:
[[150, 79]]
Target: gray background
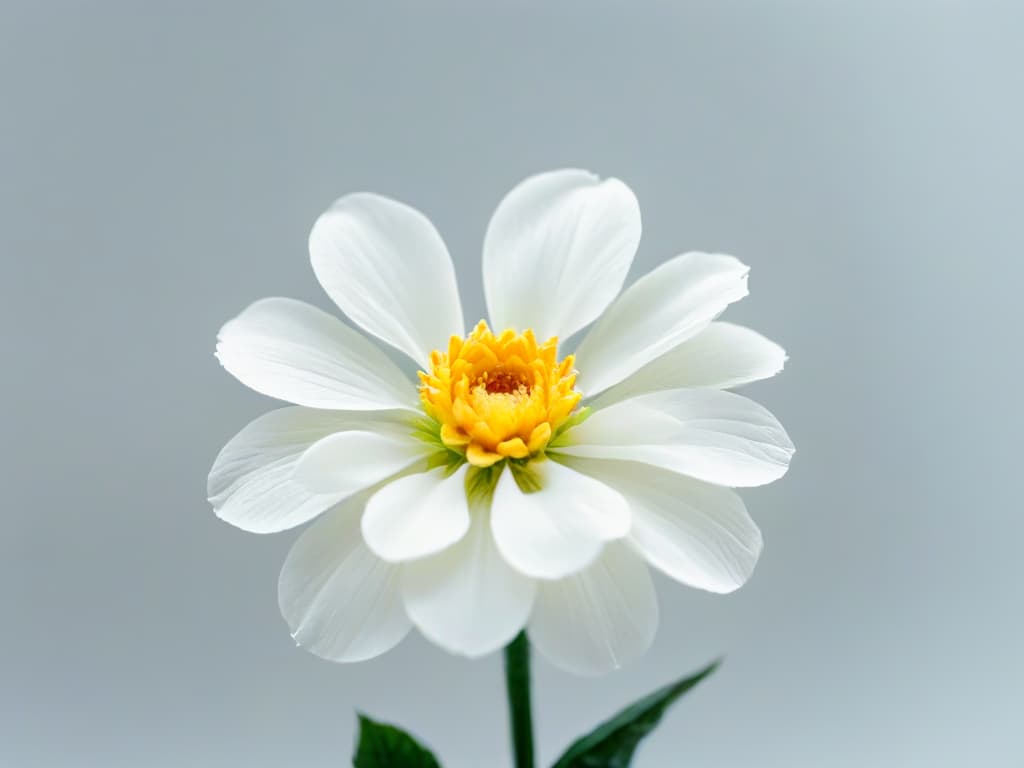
[[160, 166]]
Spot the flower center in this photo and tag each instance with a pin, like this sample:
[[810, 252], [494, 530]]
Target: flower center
[[498, 396]]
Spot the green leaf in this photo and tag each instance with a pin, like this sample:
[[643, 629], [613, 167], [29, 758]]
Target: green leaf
[[612, 744], [385, 746]]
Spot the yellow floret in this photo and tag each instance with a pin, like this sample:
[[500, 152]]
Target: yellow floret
[[499, 396]]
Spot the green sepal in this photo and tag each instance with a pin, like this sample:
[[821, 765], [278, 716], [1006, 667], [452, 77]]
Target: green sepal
[[480, 482], [525, 474], [612, 744], [428, 430], [385, 746], [453, 460], [559, 438], [450, 460]]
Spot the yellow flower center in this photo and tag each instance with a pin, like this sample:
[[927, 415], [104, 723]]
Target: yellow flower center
[[498, 397]]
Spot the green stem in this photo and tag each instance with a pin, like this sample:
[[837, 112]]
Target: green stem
[[517, 683]]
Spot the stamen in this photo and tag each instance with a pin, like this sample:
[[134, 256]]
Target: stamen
[[503, 382]]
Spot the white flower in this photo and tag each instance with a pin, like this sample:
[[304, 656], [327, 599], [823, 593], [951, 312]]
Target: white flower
[[505, 489]]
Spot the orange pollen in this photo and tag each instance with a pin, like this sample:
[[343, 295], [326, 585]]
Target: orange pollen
[[499, 396]]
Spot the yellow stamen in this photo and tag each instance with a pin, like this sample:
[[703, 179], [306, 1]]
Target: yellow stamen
[[498, 396]]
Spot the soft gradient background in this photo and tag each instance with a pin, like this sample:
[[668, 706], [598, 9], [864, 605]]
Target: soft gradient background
[[160, 166]]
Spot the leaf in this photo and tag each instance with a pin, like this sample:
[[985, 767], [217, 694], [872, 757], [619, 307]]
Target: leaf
[[612, 744], [385, 746]]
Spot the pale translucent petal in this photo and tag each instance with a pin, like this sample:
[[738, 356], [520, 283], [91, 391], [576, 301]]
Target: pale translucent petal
[[388, 269], [721, 356], [295, 352], [696, 533], [661, 310], [716, 436], [417, 515], [340, 600], [599, 619], [558, 529], [467, 599], [347, 462], [557, 251], [252, 482]]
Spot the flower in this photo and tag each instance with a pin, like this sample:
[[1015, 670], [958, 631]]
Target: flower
[[513, 486]]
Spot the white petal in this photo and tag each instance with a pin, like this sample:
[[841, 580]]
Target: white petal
[[388, 269], [417, 515], [557, 251], [659, 311], [696, 533], [721, 356], [340, 600], [599, 619], [347, 462], [716, 436], [293, 351], [560, 528], [252, 482], [467, 599]]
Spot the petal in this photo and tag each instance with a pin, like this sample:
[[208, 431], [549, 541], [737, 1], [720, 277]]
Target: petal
[[598, 619], [559, 528], [721, 356], [347, 462], [467, 599], [252, 482], [694, 532], [388, 269], [293, 351], [716, 436], [341, 601], [661, 310], [417, 515], [557, 251]]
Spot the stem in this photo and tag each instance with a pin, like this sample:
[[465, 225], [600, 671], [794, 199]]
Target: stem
[[517, 683]]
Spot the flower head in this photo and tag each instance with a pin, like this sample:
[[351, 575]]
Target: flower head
[[498, 397], [513, 485]]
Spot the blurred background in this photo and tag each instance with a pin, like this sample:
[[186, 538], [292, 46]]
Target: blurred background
[[160, 166]]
